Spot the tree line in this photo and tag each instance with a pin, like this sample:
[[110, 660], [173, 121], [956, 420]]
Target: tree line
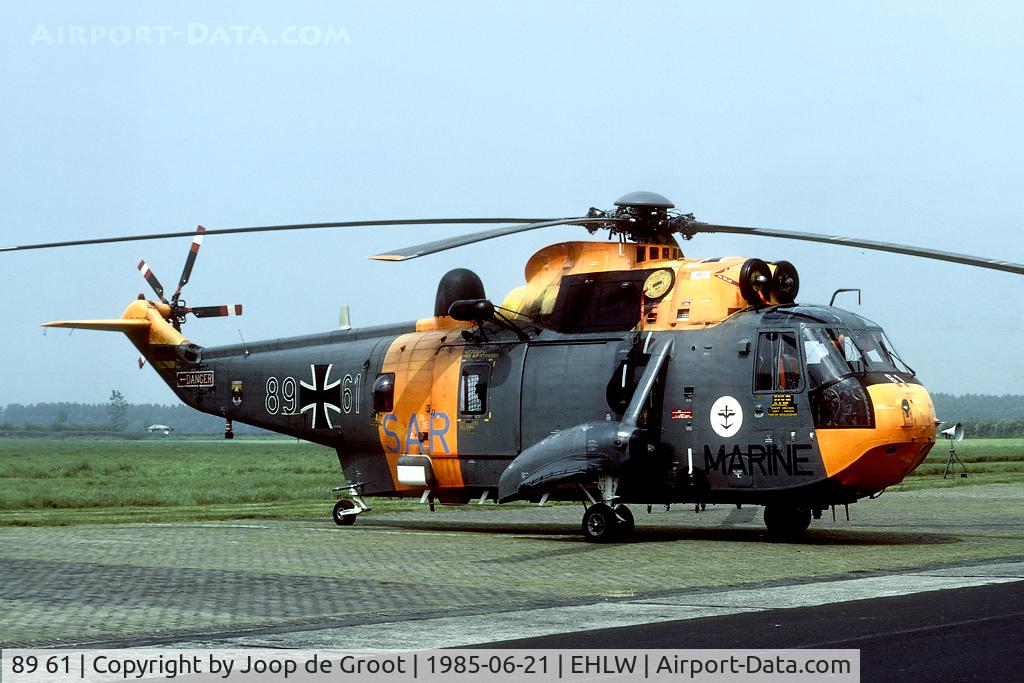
[[982, 407], [983, 416], [116, 416]]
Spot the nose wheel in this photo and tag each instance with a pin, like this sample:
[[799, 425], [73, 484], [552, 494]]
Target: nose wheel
[[606, 521], [786, 522], [603, 523]]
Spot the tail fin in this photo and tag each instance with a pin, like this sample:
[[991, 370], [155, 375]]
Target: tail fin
[[146, 326], [119, 325]]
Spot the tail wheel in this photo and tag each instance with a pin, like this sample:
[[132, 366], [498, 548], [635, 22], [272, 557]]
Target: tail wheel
[[600, 523], [786, 522], [339, 513], [755, 282], [785, 282]]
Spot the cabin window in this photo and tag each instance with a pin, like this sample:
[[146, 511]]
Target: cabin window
[[473, 392], [777, 364], [384, 393]]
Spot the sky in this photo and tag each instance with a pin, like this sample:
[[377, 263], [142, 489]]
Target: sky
[[891, 121]]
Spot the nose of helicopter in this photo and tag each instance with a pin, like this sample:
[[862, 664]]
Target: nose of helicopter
[[869, 460]]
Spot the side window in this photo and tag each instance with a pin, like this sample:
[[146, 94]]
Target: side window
[[473, 389], [789, 364], [767, 356], [777, 364], [384, 393]]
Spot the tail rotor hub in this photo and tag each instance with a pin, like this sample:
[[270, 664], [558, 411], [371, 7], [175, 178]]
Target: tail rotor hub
[[179, 309]]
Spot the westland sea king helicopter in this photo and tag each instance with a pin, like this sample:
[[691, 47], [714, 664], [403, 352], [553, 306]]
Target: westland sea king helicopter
[[621, 372]]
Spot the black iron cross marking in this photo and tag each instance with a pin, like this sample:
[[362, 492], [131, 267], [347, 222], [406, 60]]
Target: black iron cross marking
[[320, 396]]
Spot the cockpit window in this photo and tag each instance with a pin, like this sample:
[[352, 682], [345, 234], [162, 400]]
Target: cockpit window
[[778, 362], [878, 352], [835, 353], [830, 355]]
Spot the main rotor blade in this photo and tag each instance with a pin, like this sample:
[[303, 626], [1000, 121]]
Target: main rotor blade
[[977, 261], [462, 240], [190, 261], [275, 228]]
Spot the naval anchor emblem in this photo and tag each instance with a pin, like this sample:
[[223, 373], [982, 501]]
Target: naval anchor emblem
[[321, 396], [726, 416]]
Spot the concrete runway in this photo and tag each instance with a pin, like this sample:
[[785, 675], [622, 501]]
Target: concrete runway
[[474, 575], [970, 634]]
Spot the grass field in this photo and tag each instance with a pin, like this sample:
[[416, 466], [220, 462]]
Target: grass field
[[988, 461], [70, 482], [66, 482]]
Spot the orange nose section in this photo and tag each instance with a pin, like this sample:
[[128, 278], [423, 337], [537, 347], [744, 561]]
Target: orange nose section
[[869, 460]]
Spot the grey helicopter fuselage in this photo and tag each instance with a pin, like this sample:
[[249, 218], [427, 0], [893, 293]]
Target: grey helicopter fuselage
[[617, 374], [621, 372], [782, 401]]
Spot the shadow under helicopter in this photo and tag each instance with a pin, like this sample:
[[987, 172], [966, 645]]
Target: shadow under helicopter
[[558, 532]]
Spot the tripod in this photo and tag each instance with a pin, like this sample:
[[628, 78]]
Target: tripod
[[949, 461]]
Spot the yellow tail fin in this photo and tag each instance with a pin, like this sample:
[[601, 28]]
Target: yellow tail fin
[[119, 325]]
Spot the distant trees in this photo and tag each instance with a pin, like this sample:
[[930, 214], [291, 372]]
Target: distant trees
[[992, 429], [96, 418], [117, 408], [983, 407], [983, 416]]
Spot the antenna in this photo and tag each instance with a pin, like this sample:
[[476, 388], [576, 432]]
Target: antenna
[[244, 346], [344, 322]]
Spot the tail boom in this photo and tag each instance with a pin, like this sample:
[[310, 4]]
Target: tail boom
[[145, 324]]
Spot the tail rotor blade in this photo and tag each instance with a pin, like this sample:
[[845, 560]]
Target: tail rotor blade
[[190, 261], [151, 279], [215, 311]]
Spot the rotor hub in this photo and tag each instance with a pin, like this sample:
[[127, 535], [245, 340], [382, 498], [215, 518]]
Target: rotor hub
[[642, 216], [644, 199]]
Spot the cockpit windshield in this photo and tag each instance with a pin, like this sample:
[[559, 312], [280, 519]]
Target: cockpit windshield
[[835, 353], [878, 352], [826, 352]]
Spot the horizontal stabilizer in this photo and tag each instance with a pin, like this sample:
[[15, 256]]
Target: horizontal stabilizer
[[119, 325]]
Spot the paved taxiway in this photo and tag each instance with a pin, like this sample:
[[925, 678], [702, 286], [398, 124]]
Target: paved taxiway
[[971, 634], [471, 575]]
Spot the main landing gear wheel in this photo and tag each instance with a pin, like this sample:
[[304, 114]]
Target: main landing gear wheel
[[340, 515], [786, 522], [603, 524], [599, 523]]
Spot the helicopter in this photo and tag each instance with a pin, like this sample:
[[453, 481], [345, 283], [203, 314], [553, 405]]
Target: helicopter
[[622, 372]]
